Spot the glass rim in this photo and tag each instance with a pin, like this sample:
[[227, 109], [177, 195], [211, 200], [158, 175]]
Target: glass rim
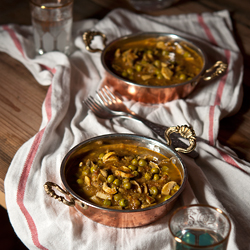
[[200, 205], [51, 7]]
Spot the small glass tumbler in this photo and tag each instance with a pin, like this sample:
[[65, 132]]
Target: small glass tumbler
[[199, 227], [151, 5], [52, 25]]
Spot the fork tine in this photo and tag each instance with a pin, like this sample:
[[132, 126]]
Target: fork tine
[[109, 93], [92, 104], [102, 97]]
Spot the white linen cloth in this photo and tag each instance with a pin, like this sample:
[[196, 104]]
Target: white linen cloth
[[217, 177]]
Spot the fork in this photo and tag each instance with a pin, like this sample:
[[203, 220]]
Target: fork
[[102, 111], [116, 107]]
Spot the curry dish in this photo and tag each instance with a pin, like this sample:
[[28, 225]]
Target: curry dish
[[124, 176], [157, 62]]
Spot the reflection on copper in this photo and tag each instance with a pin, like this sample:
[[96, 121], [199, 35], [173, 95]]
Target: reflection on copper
[[123, 218], [147, 94]]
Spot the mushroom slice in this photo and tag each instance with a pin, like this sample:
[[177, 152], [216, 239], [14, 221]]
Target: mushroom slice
[[150, 199], [146, 77], [107, 189], [111, 156], [179, 49], [123, 174], [153, 165], [101, 178], [116, 207], [125, 169], [96, 200], [104, 173], [161, 45], [168, 187], [145, 188], [147, 205], [166, 72], [104, 196], [137, 186], [87, 180]]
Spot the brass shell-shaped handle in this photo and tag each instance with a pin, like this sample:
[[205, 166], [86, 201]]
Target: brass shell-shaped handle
[[186, 132], [88, 36], [48, 186], [216, 70]]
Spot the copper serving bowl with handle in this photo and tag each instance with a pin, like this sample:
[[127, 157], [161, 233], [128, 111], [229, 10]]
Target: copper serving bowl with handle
[[122, 218], [149, 93]]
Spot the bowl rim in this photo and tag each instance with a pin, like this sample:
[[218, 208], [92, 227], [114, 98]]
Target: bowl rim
[[146, 35], [120, 136]]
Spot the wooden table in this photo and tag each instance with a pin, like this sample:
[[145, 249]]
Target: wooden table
[[21, 97]]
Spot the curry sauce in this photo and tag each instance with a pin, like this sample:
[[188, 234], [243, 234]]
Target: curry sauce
[[157, 62], [124, 176]]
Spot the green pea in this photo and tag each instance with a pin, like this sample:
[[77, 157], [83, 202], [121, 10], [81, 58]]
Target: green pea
[[142, 163], [85, 172], [153, 190], [130, 71], [154, 170], [132, 167], [80, 181], [165, 53], [110, 178], [166, 197], [125, 180], [156, 177], [147, 176], [136, 203], [182, 77], [107, 202], [186, 54], [123, 202], [118, 197], [159, 76], [157, 63], [117, 182], [93, 169], [135, 173], [138, 67], [127, 185], [176, 187], [164, 169], [124, 74], [134, 162], [100, 156], [149, 51]]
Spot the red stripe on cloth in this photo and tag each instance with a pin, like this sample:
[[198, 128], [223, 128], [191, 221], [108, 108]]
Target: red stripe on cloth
[[211, 126], [207, 30], [14, 38], [26, 172], [230, 160], [219, 93], [222, 81], [53, 71]]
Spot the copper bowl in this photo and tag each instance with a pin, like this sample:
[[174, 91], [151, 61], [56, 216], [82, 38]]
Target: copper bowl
[[143, 93], [113, 217]]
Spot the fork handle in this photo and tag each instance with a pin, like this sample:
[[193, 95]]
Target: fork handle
[[160, 131]]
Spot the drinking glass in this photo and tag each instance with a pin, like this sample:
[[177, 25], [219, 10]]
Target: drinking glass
[[52, 25], [199, 227], [151, 5]]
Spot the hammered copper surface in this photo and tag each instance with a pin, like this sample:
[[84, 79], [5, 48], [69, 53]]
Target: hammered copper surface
[[147, 95]]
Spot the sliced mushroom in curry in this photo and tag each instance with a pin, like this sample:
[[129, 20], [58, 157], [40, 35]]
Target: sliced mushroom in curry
[[157, 62], [124, 176]]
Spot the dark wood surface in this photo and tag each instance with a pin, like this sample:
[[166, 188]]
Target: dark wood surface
[[21, 97]]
